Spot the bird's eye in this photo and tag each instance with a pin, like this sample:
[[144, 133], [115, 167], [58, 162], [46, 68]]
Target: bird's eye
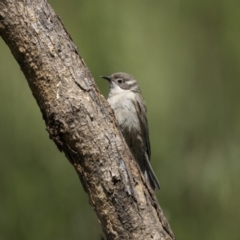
[[119, 81]]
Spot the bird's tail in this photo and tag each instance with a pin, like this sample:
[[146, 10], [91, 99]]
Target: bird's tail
[[150, 176]]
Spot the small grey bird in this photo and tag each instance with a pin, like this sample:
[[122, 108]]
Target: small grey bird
[[129, 107]]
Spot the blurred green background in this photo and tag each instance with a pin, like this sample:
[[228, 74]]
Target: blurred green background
[[185, 56]]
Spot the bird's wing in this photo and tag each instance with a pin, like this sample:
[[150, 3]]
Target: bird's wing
[[141, 113]]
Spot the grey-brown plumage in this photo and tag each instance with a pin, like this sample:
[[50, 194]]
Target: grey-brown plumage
[[129, 107]]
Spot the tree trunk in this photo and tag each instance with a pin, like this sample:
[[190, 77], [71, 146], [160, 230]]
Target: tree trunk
[[80, 121]]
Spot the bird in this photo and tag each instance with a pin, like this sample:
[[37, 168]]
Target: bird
[[130, 110]]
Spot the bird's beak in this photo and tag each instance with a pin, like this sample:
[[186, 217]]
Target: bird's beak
[[106, 77]]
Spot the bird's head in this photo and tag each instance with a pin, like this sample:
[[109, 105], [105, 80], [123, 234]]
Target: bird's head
[[122, 81]]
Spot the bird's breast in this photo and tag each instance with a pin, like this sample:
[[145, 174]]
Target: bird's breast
[[125, 113]]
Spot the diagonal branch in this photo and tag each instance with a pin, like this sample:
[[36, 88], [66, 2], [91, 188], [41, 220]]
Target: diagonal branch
[[80, 121]]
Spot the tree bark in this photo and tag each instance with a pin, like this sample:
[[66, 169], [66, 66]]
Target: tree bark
[[80, 121]]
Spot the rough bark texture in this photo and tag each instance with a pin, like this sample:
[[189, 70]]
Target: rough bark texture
[[80, 121]]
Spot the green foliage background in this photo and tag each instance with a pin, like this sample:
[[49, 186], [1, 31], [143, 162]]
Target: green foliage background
[[185, 56]]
